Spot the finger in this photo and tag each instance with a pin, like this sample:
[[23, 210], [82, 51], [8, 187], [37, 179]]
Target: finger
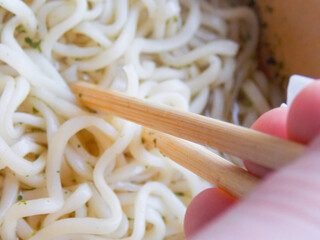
[[209, 204], [304, 114], [273, 122], [205, 207], [276, 122], [285, 206]]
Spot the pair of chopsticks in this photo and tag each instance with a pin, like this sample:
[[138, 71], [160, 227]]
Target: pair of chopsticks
[[248, 144]]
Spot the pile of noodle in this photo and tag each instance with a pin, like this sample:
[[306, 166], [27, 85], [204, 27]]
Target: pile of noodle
[[68, 173]]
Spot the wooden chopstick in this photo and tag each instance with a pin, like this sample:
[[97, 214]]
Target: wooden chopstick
[[245, 143], [223, 174], [211, 167]]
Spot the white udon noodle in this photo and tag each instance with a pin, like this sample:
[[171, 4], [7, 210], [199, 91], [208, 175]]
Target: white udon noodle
[[184, 54]]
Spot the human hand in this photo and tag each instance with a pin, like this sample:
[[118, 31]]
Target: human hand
[[286, 205]]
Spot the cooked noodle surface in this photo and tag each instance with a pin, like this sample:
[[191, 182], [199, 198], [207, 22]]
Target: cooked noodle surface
[[68, 173]]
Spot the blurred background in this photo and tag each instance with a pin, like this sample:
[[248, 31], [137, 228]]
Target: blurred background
[[289, 38]]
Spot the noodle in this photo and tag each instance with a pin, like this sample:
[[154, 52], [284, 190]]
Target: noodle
[[69, 173]]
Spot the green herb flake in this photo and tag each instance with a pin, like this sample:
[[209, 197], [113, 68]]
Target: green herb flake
[[19, 198], [164, 219], [247, 37], [37, 130], [34, 233], [130, 219], [20, 29], [146, 97], [34, 110], [22, 202], [264, 25], [180, 194], [253, 58], [32, 44], [143, 141], [80, 95], [27, 175], [251, 3], [92, 166], [28, 189], [246, 103], [146, 166], [281, 65], [271, 61], [58, 171], [155, 141], [269, 9], [78, 146], [284, 78], [175, 19], [20, 123]]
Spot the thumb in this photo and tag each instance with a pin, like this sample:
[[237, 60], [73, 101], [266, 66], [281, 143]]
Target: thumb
[[285, 206]]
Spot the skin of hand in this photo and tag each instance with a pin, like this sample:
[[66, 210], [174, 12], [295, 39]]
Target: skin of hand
[[286, 205]]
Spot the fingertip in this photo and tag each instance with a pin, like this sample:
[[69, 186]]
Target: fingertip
[[204, 208], [304, 114], [273, 122]]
